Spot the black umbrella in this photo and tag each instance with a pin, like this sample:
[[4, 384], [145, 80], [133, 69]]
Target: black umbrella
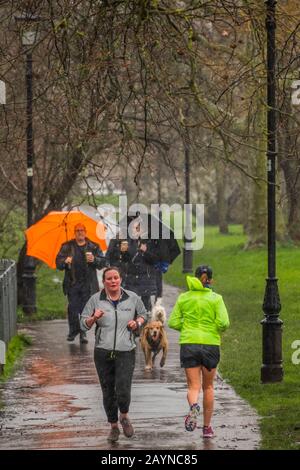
[[151, 227]]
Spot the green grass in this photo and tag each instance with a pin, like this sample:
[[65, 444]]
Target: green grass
[[14, 352], [240, 277], [97, 200], [51, 302]]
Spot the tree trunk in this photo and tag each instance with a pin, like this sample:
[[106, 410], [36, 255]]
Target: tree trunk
[[257, 220], [129, 186], [290, 165], [222, 202], [282, 204]]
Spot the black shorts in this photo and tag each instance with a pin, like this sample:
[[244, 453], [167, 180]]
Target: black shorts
[[195, 355]]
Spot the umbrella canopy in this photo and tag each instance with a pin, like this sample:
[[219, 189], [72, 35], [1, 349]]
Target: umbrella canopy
[[152, 227], [45, 238], [105, 217]]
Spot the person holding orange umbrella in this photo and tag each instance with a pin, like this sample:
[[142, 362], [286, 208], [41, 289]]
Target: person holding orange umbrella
[[79, 257]]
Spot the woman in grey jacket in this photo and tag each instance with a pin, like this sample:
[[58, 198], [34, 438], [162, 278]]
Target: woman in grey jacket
[[117, 314]]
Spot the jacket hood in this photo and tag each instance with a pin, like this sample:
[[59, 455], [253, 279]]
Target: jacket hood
[[195, 284]]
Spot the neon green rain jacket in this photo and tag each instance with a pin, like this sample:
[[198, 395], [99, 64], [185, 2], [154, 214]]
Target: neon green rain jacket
[[199, 314]]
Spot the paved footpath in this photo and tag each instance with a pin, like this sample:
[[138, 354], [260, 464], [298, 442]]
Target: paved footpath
[[54, 400]]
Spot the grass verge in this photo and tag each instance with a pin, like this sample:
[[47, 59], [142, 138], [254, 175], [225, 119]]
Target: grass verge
[[240, 277], [14, 352], [51, 302]]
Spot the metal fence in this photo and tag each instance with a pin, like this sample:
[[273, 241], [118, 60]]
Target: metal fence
[[8, 299]]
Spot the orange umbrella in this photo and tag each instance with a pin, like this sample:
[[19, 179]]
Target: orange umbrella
[[45, 238]]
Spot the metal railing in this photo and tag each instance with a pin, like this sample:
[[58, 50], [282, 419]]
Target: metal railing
[[8, 300]]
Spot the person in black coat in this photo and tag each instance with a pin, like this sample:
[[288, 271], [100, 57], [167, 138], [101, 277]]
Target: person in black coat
[[117, 254], [79, 258], [136, 257]]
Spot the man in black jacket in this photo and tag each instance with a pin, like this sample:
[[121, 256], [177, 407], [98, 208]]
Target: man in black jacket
[[79, 258]]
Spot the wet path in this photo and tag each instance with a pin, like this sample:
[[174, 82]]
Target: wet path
[[54, 401]]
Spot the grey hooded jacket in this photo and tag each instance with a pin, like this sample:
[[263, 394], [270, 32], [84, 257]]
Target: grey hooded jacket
[[112, 333]]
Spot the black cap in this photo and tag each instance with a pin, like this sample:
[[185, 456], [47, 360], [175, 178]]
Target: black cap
[[204, 269]]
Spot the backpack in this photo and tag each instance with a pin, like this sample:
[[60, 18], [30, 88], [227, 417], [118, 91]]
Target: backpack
[[162, 266]]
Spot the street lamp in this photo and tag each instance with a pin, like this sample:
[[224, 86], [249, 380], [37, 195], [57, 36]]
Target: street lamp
[[271, 369], [29, 35], [187, 253]]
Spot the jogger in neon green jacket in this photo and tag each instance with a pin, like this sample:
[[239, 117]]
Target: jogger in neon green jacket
[[201, 316]]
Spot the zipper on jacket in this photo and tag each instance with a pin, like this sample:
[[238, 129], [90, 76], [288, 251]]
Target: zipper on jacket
[[113, 352]]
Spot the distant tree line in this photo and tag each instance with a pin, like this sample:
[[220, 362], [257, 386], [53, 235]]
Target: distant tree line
[[122, 88]]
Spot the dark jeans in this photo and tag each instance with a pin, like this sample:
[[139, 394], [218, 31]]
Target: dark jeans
[[78, 295], [146, 299], [115, 376], [159, 285]]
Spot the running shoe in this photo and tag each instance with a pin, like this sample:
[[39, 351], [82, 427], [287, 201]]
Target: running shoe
[[113, 435], [190, 421], [207, 432], [127, 427]]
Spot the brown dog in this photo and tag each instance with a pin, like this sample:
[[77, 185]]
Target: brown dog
[[153, 340]]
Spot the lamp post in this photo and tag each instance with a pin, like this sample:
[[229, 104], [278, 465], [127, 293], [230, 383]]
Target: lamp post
[[187, 253], [271, 369], [29, 37]]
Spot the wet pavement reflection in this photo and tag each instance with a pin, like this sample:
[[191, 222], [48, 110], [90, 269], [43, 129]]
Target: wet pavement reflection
[[54, 400]]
